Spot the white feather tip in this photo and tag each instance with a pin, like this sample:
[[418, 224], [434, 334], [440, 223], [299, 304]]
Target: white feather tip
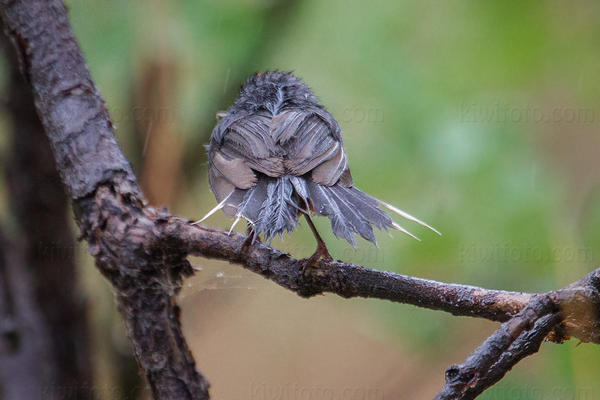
[[406, 215]]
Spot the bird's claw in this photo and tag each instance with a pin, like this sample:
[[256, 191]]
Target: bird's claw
[[251, 239], [320, 254]]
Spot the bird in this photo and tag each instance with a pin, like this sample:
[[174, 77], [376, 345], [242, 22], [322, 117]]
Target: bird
[[277, 154]]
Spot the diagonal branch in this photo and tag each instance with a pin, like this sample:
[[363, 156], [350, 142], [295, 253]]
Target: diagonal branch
[[91, 166], [347, 280], [579, 302], [573, 310], [514, 340], [143, 251]]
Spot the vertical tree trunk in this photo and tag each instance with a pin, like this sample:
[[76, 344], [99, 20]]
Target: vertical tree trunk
[[45, 254], [123, 235]]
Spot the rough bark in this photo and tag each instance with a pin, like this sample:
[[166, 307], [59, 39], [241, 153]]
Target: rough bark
[[96, 174]]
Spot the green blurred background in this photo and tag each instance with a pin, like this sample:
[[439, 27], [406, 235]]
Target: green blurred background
[[479, 117]]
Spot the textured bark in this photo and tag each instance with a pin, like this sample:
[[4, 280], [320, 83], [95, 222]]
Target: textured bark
[[105, 196], [343, 279], [579, 302], [516, 339]]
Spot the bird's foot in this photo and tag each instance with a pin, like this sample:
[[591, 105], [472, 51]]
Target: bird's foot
[[320, 254], [251, 239]]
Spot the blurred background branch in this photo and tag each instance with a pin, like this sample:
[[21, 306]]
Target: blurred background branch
[[275, 18], [46, 350]]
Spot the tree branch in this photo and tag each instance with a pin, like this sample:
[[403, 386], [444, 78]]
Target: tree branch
[[142, 250], [514, 340], [346, 280], [579, 302], [90, 164]]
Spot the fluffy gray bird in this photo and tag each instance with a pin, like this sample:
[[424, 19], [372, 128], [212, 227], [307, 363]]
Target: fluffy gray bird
[[277, 154]]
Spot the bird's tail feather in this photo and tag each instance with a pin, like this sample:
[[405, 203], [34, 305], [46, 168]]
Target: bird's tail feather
[[273, 205], [353, 211], [348, 211], [270, 207]]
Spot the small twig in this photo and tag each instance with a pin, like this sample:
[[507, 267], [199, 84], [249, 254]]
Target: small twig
[[514, 340]]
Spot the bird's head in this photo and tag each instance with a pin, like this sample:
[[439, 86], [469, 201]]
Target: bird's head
[[273, 91]]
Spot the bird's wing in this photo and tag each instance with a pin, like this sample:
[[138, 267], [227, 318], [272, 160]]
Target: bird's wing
[[313, 143], [249, 140], [240, 145], [294, 142]]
